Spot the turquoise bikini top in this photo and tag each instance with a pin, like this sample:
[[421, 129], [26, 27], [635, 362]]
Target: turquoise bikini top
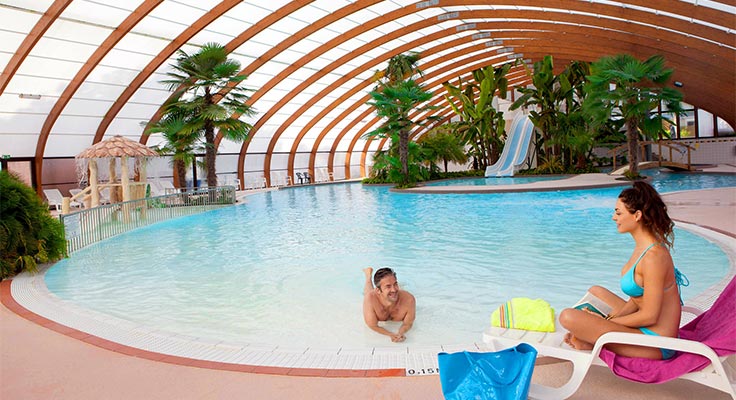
[[631, 288]]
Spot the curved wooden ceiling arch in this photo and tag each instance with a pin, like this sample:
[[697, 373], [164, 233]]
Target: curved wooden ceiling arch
[[42, 25], [238, 41], [159, 59], [347, 111], [407, 47], [582, 35], [698, 41], [582, 52], [117, 34], [459, 17], [695, 73], [539, 50]]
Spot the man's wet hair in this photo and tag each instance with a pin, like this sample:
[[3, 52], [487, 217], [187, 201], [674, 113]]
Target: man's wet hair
[[382, 273]]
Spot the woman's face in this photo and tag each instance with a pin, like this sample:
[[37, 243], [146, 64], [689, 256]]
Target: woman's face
[[625, 220]]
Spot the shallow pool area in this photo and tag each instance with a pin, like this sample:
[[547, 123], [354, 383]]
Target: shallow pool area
[[285, 268]]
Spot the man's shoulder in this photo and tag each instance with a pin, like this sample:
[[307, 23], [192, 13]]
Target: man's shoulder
[[408, 296]]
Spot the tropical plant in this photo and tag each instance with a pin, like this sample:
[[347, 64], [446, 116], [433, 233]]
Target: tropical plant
[[622, 86], [395, 103], [399, 68], [483, 126], [395, 96], [28, 233], [207, 89], [572, 131], [442, 144], [542, 99], [179, 141]]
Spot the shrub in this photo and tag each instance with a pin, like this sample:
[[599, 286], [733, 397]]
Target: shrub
[[28, 233]]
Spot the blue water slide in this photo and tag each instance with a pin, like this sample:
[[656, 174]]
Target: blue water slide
[[516, 148]]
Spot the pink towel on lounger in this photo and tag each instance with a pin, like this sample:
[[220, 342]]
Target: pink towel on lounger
[[715, 328]]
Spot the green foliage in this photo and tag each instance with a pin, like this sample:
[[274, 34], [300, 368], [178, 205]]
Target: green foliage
[[442, 144], [28, 233], [395, 97], [550, 165], [483, 127], [638, 88], [207, 97], [180, 142], [387, 168], [542, 99]]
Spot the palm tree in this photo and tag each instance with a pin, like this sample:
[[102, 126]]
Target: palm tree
[[623, 87], [207, 88], [396, 94], [399, 68], [179, 141], [442, 144], [395, 103]]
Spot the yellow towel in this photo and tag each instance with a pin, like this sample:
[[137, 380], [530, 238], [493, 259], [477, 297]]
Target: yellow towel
[[526, 314]]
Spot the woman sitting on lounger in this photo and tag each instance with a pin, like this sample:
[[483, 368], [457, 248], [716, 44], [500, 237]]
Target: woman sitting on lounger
[[648, 277]]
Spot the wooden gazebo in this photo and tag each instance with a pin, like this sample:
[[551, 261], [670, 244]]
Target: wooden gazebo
[[114, 149]]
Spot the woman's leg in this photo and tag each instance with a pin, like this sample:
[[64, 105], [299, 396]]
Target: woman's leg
[[585, 329], [608, 297]]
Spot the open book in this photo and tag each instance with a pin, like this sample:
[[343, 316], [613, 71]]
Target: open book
[[594, 304]]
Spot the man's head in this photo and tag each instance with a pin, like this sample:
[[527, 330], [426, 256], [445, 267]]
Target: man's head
[[386, 284]]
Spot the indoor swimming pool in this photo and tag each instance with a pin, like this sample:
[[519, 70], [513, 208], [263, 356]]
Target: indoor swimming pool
[[284, 268]]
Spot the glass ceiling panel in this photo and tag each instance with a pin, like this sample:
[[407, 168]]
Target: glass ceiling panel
[[311, 12], [289, 56], [208, 36], [9, 43], [126, 60], [273, 5], [80, 124], [253, 49], [270, 37], [203, 4], [34, 5], [168, 20], [140, 44], [18, 21], [63, 30], [95, 13], [102, 91], [64, 145]]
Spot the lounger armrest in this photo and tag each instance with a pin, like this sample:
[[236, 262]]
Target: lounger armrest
[[692, 310], [687, 346]]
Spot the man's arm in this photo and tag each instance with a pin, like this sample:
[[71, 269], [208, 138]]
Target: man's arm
[[371, 319], [411, 312]]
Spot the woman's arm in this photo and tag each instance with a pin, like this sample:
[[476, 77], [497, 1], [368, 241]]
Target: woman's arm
[[653, 269], [627, 308]]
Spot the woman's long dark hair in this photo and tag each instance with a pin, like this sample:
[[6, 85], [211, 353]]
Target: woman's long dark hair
[[643, 197]]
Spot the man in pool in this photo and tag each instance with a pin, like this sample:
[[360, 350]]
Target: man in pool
[[387, 302]]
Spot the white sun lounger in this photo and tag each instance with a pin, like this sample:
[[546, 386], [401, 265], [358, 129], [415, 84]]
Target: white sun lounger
[[718, 374], [55, 198]]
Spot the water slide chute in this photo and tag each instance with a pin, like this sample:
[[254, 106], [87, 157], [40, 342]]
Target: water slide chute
[[516, 148]]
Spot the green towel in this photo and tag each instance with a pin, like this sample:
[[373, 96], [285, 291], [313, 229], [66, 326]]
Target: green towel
[[526, 314]]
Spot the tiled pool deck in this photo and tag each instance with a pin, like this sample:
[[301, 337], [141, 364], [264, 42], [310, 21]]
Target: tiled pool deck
[[27, 296]]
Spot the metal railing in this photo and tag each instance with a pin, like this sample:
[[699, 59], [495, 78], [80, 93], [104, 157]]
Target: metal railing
[[92, 225], [681, 156]]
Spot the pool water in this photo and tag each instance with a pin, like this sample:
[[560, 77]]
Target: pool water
[[285, 268], [506, 180]]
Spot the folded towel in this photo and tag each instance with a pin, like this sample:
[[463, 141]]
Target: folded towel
[[715, 328], [526, 314]]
